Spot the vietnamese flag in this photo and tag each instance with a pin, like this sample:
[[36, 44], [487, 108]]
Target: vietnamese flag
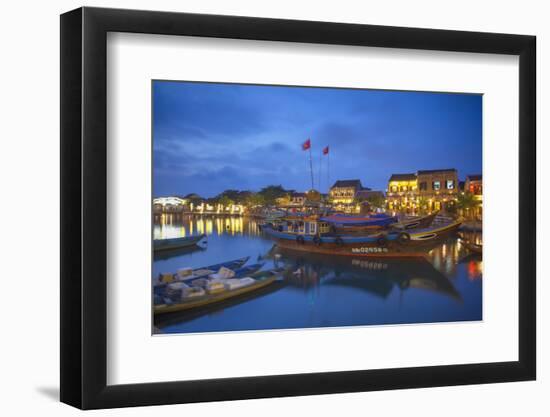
[[306, 145], [325, 150]]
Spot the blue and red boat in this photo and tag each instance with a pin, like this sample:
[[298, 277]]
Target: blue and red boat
[[328, 235]]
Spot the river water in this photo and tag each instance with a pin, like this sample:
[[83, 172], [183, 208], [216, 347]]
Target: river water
[[321, 291]]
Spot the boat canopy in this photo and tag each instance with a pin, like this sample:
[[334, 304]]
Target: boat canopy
[[376, 220]]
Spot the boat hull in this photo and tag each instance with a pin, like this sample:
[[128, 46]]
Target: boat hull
[[212, 299], [407, 224], [401, 245], [415, 223], [176, 243]]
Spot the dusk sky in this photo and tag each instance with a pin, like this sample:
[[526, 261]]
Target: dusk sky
[[211, 137]]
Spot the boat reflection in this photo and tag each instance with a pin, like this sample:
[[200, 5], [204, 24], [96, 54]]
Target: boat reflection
[[377, 277]]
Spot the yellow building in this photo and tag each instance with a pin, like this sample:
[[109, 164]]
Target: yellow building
[[402, 191], [429, 190], [343, 193]]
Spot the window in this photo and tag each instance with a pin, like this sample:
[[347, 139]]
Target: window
[[450, 184], [394, 188], [423, 186], [436, 185], [312, 228]]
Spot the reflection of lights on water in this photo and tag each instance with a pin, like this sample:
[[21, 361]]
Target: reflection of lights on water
[[474, 270], [219, 226], [449, 264], [437, 261], [200, 226]]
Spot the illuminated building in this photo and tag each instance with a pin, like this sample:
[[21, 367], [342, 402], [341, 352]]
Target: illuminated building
[[474, 186], [343, 193], [402, 191], [169, 204], [438, 186], [434, 189], [297, 199]]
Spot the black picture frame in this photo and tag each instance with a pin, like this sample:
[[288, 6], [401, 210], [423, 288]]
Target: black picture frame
[[84, 207]]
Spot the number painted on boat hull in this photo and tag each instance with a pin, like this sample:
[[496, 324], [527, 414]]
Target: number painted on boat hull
[[369, 250]]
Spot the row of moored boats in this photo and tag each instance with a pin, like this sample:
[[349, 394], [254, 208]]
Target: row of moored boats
[[372, 235], [191, 288]]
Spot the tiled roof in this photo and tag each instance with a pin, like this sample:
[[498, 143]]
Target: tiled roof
[[369, 193], [433, 171], [348, 183], [403, 177]]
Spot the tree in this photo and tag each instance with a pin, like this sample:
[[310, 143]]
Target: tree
[[313, 196], [284, 200], [376, 200], [255, 199], [271, 193], [225, 201], [193, 198]]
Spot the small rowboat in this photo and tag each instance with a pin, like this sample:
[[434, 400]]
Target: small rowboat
[[428, 235], [204, 271], [176, 243], [260, 280], [415, 222]]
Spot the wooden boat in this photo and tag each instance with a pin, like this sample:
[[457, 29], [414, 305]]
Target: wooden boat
[[391, 243], [162, 255], [261, 280], [179, 317], [415, 222], [161, 290], [372, 221], [204, 271], [176, 243], [405, 224]]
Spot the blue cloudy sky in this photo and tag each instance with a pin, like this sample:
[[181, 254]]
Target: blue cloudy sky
[[210, 137]]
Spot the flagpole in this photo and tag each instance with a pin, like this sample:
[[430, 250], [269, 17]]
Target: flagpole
[[328, 171], [311, 168], [320, 168]]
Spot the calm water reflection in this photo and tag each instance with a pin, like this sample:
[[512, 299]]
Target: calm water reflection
[[321, 291]]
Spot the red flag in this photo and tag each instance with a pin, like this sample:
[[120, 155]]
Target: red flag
[[325, 150], [306, 145]]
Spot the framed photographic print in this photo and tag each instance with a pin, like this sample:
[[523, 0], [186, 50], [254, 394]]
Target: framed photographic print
[[258, 208]]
